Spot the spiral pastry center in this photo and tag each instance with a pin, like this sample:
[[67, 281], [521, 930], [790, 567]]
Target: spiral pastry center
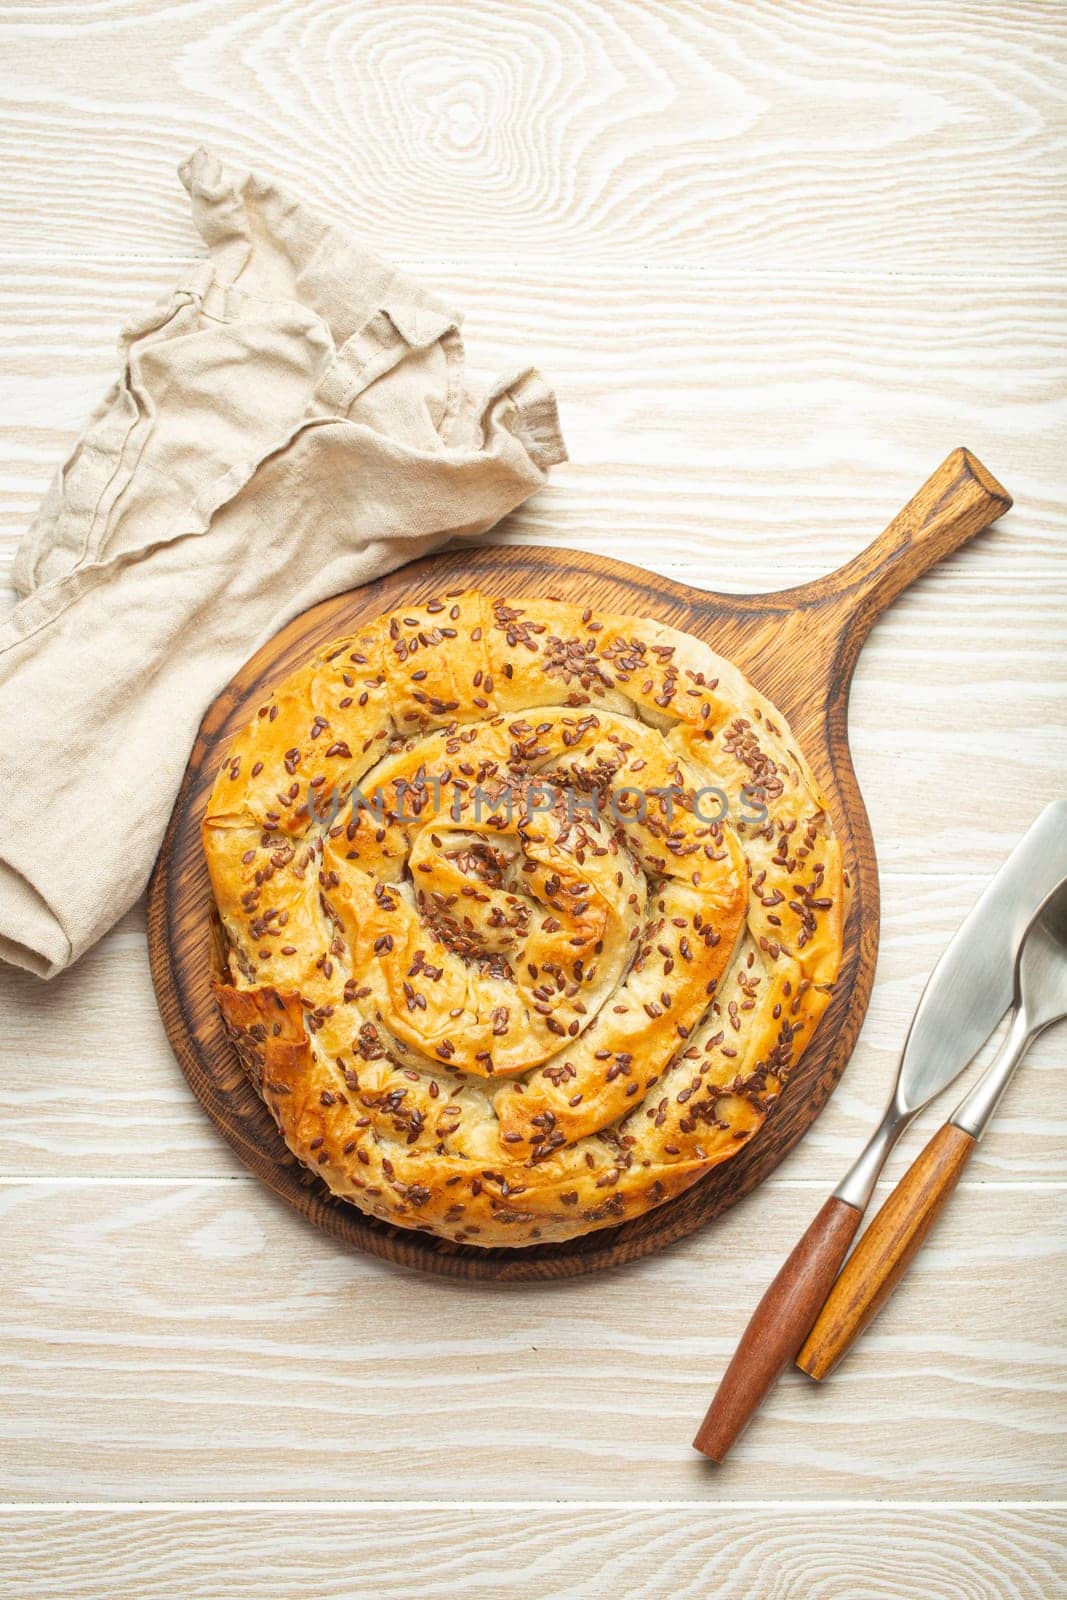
[[494, 933]]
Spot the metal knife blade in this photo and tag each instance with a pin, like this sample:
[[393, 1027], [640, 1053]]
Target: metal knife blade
[[969, 991], [971, 987]]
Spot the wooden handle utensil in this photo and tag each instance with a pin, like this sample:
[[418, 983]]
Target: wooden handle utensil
[[882, 1256], [894, 1237], [959, 499], [778, 1325], [967, 994]]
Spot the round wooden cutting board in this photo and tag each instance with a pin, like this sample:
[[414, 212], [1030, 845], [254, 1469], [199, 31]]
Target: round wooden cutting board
[[798, 646]]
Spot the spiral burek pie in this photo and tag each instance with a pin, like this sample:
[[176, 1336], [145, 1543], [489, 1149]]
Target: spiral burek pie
[[529, 910]]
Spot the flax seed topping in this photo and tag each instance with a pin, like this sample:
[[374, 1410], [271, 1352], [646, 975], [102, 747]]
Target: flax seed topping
[[522, 900]]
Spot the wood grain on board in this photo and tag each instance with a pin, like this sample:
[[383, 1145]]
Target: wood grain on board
[[764, 136], [724, 434], [178, 1341], [798, 647], [579, 1553]]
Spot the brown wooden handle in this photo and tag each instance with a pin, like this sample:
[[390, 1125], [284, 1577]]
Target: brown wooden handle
[[958, 501], [777, 1326], [810, 656], [881, 1258]]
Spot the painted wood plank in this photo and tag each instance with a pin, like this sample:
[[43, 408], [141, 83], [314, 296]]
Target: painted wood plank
[[771, 293], [726, 432], [570, 1553], [167, 1342], [88, 1085], [906, 136]]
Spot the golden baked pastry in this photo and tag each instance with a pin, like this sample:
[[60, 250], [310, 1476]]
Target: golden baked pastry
[[530, 910]]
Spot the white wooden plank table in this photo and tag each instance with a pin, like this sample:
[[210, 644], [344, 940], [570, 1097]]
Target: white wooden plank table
[[777, 260]]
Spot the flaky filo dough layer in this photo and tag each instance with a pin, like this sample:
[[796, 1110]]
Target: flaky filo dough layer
[[530, 911]]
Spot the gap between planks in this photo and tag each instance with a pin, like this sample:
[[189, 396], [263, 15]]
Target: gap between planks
[[827, 1502]]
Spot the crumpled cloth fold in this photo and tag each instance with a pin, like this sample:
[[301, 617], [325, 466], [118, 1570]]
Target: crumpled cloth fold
[[295, 419]]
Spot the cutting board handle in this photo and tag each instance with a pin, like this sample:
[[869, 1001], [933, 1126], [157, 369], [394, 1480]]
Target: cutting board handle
[[807, 659], [960, 499]]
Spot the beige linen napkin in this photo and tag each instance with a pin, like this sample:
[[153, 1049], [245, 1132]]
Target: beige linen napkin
[[294, 420]]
